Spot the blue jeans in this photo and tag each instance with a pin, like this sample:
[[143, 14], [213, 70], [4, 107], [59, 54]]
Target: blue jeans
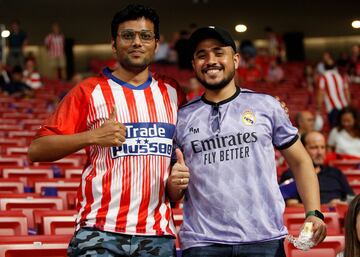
[[89, 242], [273, 248]]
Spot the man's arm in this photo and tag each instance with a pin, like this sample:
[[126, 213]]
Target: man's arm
[[55, 147], [307, 184]]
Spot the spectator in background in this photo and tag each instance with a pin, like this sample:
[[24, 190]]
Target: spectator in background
[[162, 52], [248, 70], [333, 89], [304, 121], [334, 187], [344, 139], [17, 87], [182, 49], [31, 76], [276, 44], [309, 78], [275, 73], [54, 43], [17, 41], [326, 59], [354, 70], [352, 230], [4, 77]]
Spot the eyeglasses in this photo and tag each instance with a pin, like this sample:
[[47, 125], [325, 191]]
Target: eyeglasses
[[128, 35], [215, 119]]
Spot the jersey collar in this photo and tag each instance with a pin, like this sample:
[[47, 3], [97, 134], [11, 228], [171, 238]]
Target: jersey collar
[[108, 73], [237, 92]]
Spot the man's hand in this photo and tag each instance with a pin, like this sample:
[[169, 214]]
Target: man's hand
[[179, 177], [319, 229], [111, 132]]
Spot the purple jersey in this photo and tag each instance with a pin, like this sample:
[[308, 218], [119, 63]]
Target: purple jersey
[[233, 196]]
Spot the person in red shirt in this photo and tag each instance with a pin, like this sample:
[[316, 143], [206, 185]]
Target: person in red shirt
[[125, 119]]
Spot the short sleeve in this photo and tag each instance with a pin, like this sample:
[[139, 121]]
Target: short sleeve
[[284, 133], [69, 117]]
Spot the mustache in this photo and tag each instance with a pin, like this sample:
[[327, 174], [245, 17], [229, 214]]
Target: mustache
[[212, 66]]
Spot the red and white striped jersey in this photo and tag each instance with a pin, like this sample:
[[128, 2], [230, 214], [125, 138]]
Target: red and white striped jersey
[[32, 79], [334, 87], [55, 44], [123, 188]]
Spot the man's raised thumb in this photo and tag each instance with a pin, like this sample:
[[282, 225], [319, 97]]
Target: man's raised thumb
[[179, 157]]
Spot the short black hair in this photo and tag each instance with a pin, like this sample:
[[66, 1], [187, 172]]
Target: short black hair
[[134, 12]]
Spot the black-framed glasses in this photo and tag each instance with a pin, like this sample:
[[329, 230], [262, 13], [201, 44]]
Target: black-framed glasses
[[215, 119], [128, 35]]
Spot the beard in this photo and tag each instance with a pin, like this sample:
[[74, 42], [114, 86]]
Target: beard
[[129, 64], [217, 86]]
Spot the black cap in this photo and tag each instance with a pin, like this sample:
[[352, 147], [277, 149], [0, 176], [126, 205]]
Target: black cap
[[210, 32]]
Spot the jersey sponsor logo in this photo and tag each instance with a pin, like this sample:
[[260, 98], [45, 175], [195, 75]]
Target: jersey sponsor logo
[[146, 138], [248, 118]]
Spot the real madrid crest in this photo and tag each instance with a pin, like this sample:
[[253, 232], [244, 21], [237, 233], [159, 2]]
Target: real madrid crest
[[248, 118]]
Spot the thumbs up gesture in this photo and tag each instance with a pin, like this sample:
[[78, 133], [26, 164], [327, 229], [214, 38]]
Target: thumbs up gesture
[[111, 132], [179, 177]]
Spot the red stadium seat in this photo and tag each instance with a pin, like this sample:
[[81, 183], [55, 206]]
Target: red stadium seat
[[355, 185], [30, 203], [63, 187], [11, 185], [40, 215], [328, 248], [45, 246], [13, 223], [345, 164], [294, 221], [27, 174], [352, 175], [73, 173], [55, 222]]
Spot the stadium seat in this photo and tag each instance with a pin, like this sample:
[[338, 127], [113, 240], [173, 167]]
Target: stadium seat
[[62, 186], [28, 203], [73, 173], [13, 223], [328, 248], [345, 164], [35, 246], [55, 222], [355, 185], [352, 175], [27, 174], [294, 221], [11, 185]]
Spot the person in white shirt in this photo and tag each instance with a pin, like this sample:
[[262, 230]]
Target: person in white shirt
[[344, 139]]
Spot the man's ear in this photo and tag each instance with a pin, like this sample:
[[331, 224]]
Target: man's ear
[[113, 45], [157, 43], [236, 60]]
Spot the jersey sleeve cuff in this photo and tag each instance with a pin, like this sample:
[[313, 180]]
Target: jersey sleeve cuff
[[288, 144]]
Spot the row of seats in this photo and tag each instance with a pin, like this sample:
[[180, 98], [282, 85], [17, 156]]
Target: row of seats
[[60, 225]]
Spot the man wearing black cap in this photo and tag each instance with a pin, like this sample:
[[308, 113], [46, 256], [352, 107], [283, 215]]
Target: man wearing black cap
[[225, 162]]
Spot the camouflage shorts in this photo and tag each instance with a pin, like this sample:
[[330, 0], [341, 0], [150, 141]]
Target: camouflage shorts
[[89, 242]]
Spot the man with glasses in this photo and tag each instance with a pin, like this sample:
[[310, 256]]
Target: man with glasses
[[126, 121], [226, 162]]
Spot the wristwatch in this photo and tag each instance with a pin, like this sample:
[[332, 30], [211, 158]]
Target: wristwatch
[[315, 213]]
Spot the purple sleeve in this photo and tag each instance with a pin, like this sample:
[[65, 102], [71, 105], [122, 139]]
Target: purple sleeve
[[284, 133]]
